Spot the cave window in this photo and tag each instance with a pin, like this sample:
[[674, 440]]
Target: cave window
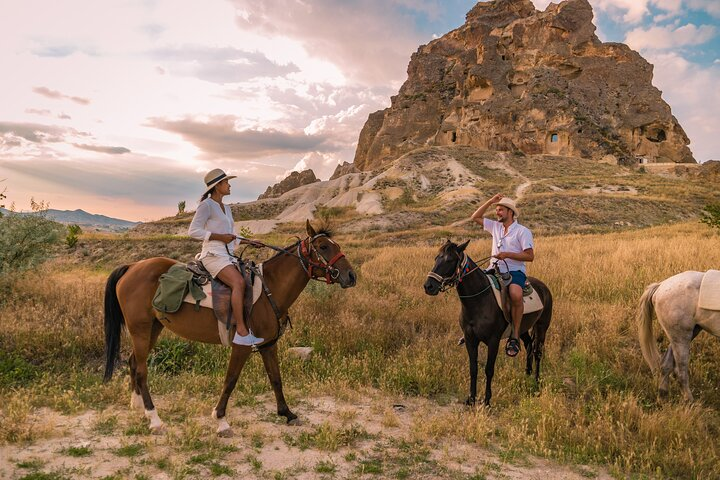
[[554, 137], [453, 137]]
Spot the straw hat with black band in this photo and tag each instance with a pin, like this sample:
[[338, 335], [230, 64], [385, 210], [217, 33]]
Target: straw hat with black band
[[509, 203], [215, 176]]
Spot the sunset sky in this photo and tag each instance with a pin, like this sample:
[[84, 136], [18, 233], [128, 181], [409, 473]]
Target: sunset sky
[[120, 107]]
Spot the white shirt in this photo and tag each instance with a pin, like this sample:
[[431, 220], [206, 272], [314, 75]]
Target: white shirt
[[516, 240], [209, 218]]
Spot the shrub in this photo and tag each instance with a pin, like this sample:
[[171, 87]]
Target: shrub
[[181, 207], [711, 215], [72, 236], [26, 239]]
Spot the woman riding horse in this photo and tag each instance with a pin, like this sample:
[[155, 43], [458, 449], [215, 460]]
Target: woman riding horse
[[213, 224]]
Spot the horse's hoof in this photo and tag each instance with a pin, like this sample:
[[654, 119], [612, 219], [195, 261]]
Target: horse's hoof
[[225, 433], [295, 422], [663, 393], [158, 430], [470, 402]]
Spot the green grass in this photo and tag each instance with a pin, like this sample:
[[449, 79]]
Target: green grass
[[131, 450], [83, 451]]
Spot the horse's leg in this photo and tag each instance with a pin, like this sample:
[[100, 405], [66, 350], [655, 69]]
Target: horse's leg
[[681, 353], [527, 341], [272, 367], [238, 357], [136, 400], [667, 365], [493, 347], [471, 344]]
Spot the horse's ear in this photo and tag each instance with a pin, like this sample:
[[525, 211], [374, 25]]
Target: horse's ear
[[462, 246], [310, 229]]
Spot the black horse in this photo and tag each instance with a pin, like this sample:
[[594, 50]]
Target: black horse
[[481, 319]]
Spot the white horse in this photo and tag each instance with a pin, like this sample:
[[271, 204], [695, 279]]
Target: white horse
[[675, 303]]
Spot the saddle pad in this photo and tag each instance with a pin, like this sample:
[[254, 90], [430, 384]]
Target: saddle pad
[[531, 303], [709, 297], [207, 288]]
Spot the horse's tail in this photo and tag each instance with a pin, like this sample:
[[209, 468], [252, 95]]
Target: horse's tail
[[114, 321], [644, 320]]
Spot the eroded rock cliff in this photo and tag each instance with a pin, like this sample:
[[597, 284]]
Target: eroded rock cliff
[[515, 79], [292, 181]]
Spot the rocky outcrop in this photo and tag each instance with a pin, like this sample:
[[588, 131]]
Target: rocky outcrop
[[343, 169], [292, 181], [515, 79]]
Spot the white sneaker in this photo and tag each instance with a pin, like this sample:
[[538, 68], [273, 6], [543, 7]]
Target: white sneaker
[[248, 340]]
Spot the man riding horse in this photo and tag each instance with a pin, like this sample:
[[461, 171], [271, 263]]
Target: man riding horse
[[512, 247]]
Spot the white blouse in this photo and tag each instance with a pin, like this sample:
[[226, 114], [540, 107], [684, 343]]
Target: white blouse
[[209, 218]]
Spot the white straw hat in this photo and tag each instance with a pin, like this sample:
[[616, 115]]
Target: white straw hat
[[509, 203], [215, 176]]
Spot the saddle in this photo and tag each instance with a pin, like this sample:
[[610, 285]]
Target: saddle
[[531, 300], [218, 296], [709, 296]]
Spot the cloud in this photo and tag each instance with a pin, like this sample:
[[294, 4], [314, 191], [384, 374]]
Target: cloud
[[37, 111], [102, 149], [692, 92], [710, 6], [33, 132], [322, 164], [219, 136], [370, 41], [669, 37], [55, 95], [221, 65]]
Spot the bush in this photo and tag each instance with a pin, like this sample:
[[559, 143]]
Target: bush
[[26, 239], [181, 207], [72, 236], [711, 215]]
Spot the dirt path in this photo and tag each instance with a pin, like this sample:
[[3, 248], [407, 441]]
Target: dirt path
[[368, 435]]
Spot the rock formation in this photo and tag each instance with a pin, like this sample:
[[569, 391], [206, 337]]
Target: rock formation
[[515, 79], [343, 169], [292, 181]]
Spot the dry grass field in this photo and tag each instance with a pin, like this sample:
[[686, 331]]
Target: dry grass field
[[380, 344]]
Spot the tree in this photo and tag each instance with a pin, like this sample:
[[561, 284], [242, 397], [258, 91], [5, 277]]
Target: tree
[[711, 215], [26, 239], [181, 207]]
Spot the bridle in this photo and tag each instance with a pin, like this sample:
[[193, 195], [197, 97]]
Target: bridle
[[462, 270], [306, 248], [305, 251]]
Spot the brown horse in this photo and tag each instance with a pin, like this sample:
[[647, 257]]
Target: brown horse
[[130, 290]]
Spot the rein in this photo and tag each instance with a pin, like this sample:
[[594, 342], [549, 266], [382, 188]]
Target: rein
[[304, 254], [446, 283], [305, 250]]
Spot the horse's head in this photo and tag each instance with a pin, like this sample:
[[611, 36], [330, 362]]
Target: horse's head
[[325, 259], [447, 268]]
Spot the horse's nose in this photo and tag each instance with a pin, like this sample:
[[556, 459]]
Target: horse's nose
[[352, 278], [429, 288]]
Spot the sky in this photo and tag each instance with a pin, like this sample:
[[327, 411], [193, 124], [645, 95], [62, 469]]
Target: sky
[[120, 107]]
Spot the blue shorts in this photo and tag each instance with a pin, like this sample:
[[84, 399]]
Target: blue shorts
[[518, 278]]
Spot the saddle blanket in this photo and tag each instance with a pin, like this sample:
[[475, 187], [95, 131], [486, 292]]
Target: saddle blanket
[[207, 288], [531, 303], [709, 297], [225, 334]]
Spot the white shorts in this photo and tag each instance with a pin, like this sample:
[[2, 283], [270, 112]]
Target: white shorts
[[214, 263]]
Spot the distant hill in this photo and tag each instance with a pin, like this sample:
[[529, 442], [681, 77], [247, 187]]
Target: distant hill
[[88, 221], [437, 188]]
